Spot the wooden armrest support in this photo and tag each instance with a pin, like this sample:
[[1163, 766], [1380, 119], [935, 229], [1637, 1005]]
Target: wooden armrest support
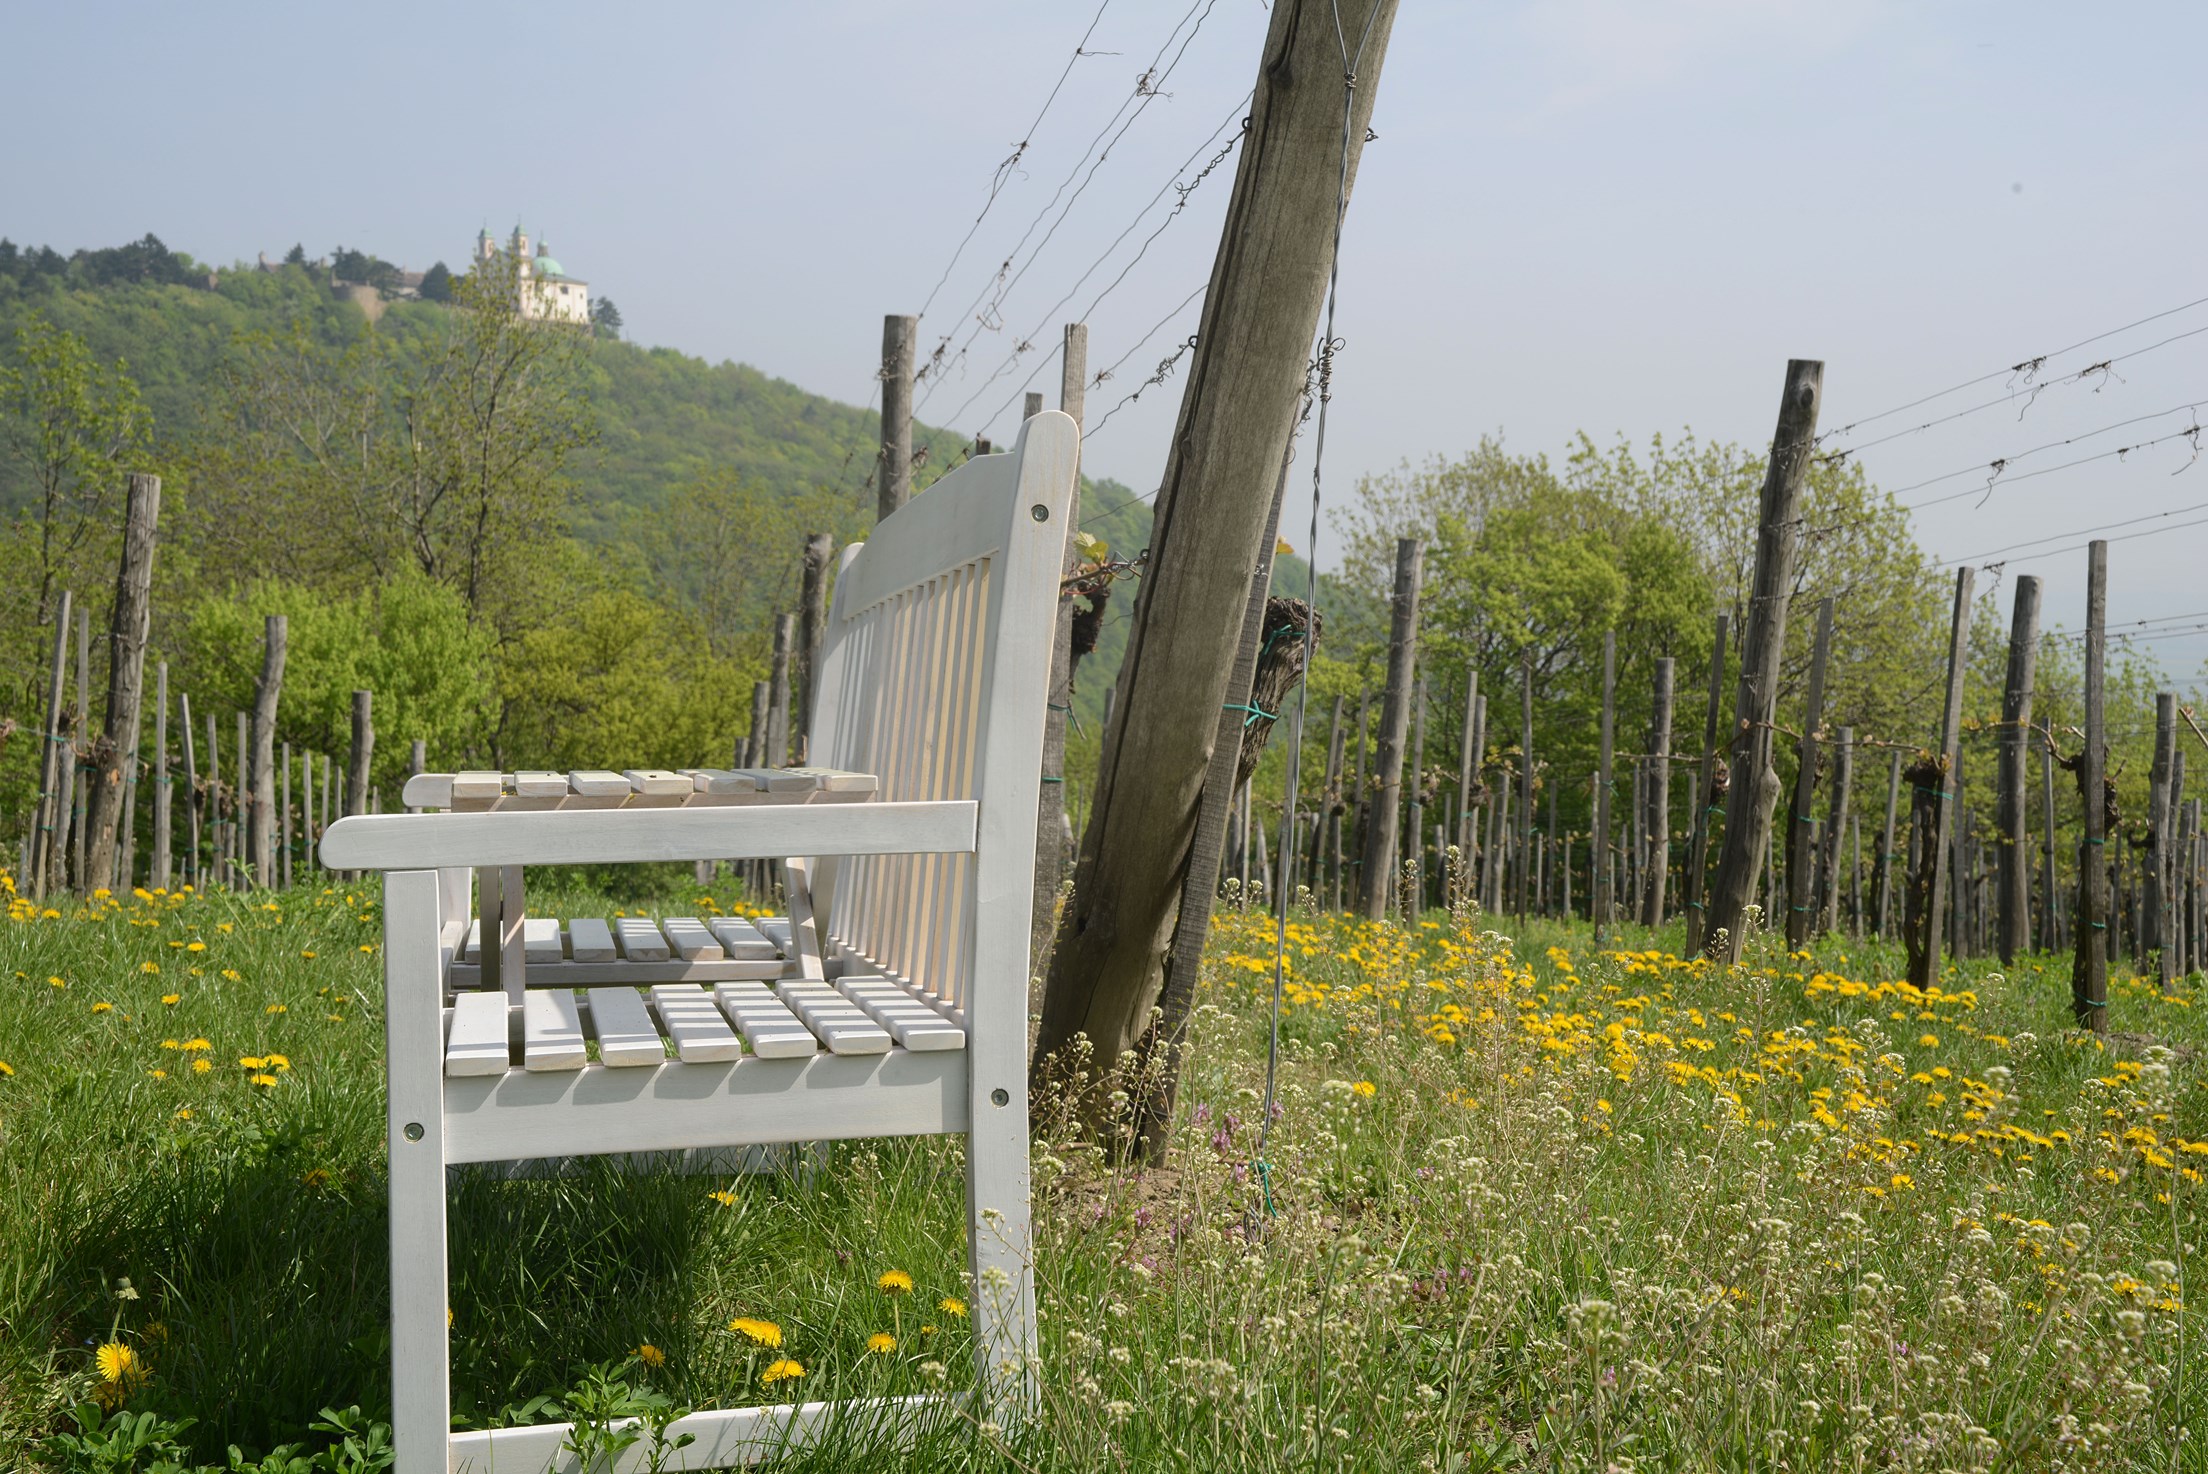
[[633, 836]]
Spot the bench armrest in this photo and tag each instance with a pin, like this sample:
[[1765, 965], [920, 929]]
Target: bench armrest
[[633, 836]]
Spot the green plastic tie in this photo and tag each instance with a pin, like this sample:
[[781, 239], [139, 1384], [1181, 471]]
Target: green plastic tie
[[1254, 712], [2094, 1002], [2102, 840], [1054, 706], [1054, 780], [1265, 1180]]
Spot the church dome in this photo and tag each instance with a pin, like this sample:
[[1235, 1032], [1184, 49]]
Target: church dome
[[544, 265]]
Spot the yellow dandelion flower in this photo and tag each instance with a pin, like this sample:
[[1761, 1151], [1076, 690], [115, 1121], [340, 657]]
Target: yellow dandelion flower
[[317, 1179], [951, 1305], [252, 1062], [172, 999], [159, 1074], [149, 967], [758, 1332], [202, 1066], [894, 1282], [1366, 1089], [308, 955], [927, 1330], [1929, 1041], [278, 1062], [196, 1046], [232, 975], [118, 1363], [183, 1113], [651, 1356], [56, 983], [264, 1080], [6, 1069], [103, 1008], [724, 1197], [195, 946], [881, 1343], [367, 947], [782, 1369]]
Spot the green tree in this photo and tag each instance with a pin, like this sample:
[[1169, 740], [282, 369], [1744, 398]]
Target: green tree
[[296, 256], [73, 427], [437, 283], [605, 318]]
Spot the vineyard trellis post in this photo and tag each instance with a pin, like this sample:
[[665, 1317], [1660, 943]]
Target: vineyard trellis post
[[164, 784], [267, 871], [1657, 826], [1050, 811], [1692, 882], [194, 799], [1598, 844], [1395, 713], [1801, 850], [46, 830], [1836, 825], [1882, 902], [1924, 960], [2012, 844], [2089, 971], [1754, 790], [893, 486], [1414, 882], [2161, 852], [126, 677], [1525, 782]]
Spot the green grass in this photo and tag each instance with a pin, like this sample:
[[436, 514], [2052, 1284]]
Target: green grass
[[1527, 1208]]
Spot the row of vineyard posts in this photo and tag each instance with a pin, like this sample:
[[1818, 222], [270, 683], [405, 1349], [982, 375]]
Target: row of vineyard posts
[[1420, 807]]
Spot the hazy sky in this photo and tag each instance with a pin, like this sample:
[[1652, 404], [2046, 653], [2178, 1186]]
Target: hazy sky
[[1621, 216]]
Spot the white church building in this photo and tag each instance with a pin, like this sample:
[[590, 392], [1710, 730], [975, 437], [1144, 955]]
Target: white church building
[[545, 288]]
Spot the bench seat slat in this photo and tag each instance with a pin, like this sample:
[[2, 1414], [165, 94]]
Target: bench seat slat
[[740, 939], [626, 1034], [540, 939], [688, 1016], [552, 1030], [589, 940], [909, 1020], [691, 941], [767, 1025], [836, 1019], [478, 1043], [641, 939]]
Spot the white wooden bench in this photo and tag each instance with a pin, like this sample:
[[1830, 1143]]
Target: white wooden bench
[[892, 1001]]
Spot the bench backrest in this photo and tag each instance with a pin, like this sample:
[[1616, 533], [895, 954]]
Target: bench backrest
[[934, 674]]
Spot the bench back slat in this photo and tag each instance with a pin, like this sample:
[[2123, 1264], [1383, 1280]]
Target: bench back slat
[[934, 675]]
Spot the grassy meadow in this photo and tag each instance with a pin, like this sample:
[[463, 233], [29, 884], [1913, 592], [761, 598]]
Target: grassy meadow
[[1524, 1205]]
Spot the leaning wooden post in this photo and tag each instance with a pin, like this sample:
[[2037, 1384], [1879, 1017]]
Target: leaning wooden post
[[1468, 762], [1326, 843], [1657, 826], [1754, 790], [1843, 791], [283, 815], [2050, 919], [778, 702], [1924, 957], [1707, 801], [1598, 843], [1414, 825], [2013, 870], [194, 802], [2089, 971], [266, 859], [217, 868], [164, 784], [2159, 849], [894, 485], [1525, 782], [126, 845], [1801, 859], [363, 758], [81, 752], [126, 676], [51, 763], [812, 630], [242, 805], [1395, 720], [1886, 855]]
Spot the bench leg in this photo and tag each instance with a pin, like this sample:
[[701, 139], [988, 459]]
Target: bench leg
[[421, 1392], [1000, 1239]]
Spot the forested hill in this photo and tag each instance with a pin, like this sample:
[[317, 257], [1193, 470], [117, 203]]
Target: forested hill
[[684, 487], [662, 417]]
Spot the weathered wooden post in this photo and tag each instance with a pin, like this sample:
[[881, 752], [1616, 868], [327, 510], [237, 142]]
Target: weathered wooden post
[[241, 805], [778, 703], [283, 814], [812, 630], [2050, 912], [267, 867], [1706, 801], [1937, 784], [164, 784], [126, 848], [1843, 790], [2013, 879], [2089, 971], [52, 760], [1395, 716], [894, 486], [1525, 782], [126, 676], [2160, 851], [195, 803], [1754, 790], [1468, 762], [1658, 823], [1415, 810], [1801, 861], [1598, 844], [218, 860], [81, 753], [1886, 856]]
